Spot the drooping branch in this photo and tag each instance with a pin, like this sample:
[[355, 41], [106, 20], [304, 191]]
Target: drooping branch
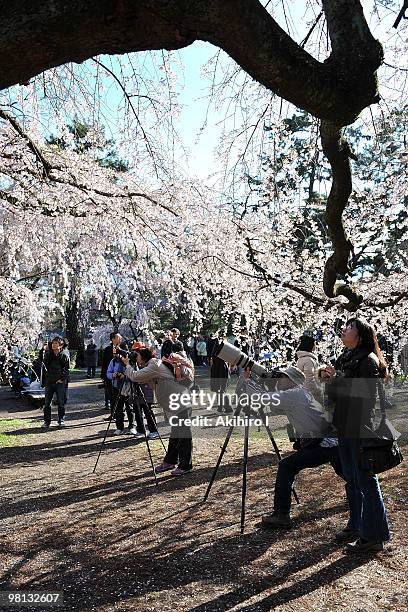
[[34, 148], [338, 152], [273, 279], [53, 172]]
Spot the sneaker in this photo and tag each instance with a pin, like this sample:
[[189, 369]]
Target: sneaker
[[180, 472], [61, 423], [118, 432], [164, 467], [153, 435], [346, 535], [362, 546], [108, 418], [45, 425], [276, 520], [133, 432]]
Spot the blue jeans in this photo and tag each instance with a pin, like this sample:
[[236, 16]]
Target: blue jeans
[[60, 390], [366, 506], [290, 466]]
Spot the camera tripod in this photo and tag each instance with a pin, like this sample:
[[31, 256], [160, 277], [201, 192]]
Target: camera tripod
[[247, 413], [131, 400]]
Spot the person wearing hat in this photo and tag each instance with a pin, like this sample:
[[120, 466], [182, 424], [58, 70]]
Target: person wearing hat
[[315, 442]]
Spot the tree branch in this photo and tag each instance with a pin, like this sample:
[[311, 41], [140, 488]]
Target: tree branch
[[338, 152], [43, 34], [31, 144]]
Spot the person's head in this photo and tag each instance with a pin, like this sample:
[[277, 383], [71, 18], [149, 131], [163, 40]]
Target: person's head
[[115, 338], [358, 333], [143, 356], [174, 333], [137, 345], [57, 344], [306, 343], [290, 378]]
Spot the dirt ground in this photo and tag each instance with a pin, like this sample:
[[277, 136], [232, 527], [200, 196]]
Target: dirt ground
[[113, 540]]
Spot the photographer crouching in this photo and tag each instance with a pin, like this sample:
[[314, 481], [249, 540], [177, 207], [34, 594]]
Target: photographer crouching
[[161, 378], [315, 443]]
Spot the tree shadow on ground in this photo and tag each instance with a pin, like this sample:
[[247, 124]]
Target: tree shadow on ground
[[100, 580], [127, 488], [310, 583]]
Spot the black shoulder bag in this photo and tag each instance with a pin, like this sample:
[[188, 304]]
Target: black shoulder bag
[[379, 450]]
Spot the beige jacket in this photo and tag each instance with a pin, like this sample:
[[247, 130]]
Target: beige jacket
[[307, 362], [161, 379]]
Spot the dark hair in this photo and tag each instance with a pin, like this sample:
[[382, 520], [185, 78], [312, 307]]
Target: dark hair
[[58, 339], [306, 343], [113, 334], [174, 330], [146, 354], [368, 340]]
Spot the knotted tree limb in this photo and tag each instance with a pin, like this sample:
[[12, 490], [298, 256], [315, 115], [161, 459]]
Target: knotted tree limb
[[338, 152]]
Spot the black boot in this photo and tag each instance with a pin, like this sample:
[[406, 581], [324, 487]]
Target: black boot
[[277, 520]]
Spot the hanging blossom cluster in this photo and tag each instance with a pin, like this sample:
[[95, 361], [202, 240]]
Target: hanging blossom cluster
[[20, 318]]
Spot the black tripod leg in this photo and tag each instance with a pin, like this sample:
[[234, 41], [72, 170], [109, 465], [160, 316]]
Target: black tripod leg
[[275, 447], [112, 416], [103, 442], [244, 476], [214, 474], [157, 429], [151, 459]]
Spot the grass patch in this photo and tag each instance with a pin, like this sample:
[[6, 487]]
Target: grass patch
[[7, 426]]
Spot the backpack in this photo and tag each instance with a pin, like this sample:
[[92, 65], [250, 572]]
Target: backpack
[[183, 368]]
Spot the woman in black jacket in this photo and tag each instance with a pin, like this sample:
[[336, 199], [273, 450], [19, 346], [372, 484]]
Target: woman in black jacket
[[353, 391]]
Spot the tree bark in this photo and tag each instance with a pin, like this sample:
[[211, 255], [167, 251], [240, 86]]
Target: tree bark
[[73, 323], [42, 34]]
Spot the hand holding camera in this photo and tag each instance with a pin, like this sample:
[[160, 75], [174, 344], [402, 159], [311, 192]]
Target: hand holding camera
[[327, 371]]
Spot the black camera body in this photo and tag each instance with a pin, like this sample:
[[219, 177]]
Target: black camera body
[[119, 352], [274, 373]]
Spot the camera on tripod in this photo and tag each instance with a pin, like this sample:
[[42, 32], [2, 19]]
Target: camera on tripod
[[235, 357]]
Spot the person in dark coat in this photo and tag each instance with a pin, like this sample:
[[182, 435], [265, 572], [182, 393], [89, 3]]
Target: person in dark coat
[[219, 376], [172, 344], [115, 340], [56, 365], [91, 359], [353, 391]]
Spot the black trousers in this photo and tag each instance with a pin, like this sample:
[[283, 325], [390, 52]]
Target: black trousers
[[146, 410], [108, 393], [180, 448], [290, 466], [119, 403]]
